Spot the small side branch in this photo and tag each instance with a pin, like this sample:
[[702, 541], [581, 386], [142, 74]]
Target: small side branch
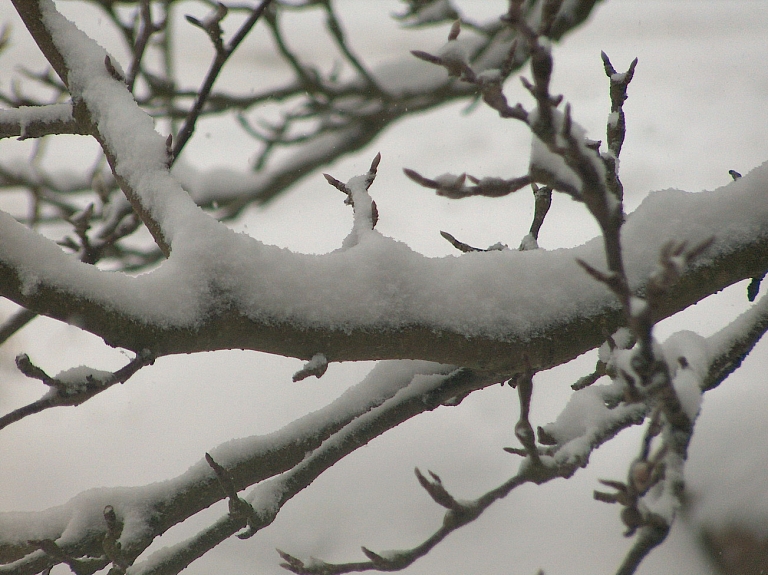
[[523, 428], [337, 32], [366, 214], [239, 509], [38, 121], [616, 129], [148, 28], [71, 388], [316, 366], [542, 202], [222, 55], [455, 187], [619, 83], [461, 246]]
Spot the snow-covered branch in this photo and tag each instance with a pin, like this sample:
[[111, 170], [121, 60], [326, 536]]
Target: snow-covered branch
[[380, 299], [454, 324], [137, 154], [391, 394], [593, 416], [37, 121], [71, 387]]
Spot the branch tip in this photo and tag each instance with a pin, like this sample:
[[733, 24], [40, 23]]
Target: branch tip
[[375, 163], [455, 30], [341, 186]]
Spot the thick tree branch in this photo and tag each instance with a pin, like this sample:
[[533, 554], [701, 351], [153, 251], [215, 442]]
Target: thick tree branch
[[392, 394], [229, 319]]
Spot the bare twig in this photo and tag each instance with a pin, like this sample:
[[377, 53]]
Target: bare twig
[[71, 392], [454, 186], [542, 202], [147, 29], [337, 32], [222, 55], [239, 509], [523, 428], [461, 246]]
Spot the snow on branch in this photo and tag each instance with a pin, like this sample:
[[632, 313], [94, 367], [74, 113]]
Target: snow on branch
[[228, 290], [594, 415], [393, 392], [136, 153], [366, 215], [37, 121], [73, 386], [460, 512], [235, 292], [315, 366]]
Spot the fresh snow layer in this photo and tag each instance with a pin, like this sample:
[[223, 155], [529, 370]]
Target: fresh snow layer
[[376, 283], [380, 282]]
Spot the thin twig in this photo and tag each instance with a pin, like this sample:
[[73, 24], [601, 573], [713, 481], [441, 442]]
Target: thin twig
[[222, 55], [147, 29], [70, 393], [17, 321]]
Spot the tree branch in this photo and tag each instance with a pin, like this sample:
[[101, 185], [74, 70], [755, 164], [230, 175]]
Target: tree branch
[[71, 389], [394, 392], [222, 318], [38, 121], [222, 55]]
